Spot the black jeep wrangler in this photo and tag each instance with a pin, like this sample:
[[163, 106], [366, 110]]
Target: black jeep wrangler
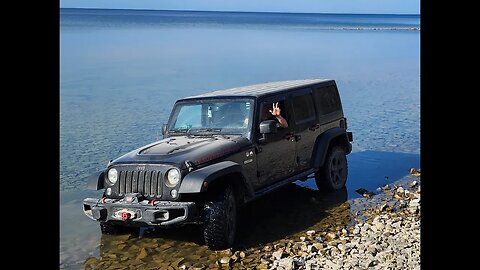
[[221, 150]]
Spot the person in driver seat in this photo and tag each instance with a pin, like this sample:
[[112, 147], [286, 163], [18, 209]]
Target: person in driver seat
[[231, 115]]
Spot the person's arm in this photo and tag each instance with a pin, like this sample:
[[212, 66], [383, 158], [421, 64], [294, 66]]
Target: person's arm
[[282, 121], [276, 112]]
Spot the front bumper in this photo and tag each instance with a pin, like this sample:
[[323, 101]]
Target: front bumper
[[161, 213]]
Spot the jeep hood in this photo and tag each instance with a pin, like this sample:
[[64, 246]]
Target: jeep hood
[[178, 149]]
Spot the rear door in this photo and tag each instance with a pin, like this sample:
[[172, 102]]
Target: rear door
[[306, 127], [327, 101]]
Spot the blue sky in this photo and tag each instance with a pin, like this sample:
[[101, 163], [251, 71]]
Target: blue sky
[[314, 6]]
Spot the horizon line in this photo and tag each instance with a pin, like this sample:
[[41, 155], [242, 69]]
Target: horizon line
[[281, 12]]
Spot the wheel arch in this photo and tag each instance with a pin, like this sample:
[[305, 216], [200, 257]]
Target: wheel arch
[[95, 181], [216, 176], [325, 141]]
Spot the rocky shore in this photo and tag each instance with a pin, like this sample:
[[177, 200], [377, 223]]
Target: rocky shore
[[385, 234], [381, 230], [389, 238]]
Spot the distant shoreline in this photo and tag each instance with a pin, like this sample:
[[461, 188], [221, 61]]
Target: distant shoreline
[[254, 12], [316, 21]]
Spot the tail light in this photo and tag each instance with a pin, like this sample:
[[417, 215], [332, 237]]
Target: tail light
[[343, 123]]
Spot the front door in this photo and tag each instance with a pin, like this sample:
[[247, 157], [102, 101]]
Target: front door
[[276, 158]]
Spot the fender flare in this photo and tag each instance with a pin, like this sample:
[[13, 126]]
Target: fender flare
[[193, 182], [95, 181], [322, 144]]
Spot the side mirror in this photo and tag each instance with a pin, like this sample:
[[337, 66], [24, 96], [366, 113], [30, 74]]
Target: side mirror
[[268, 126], [164, 129]]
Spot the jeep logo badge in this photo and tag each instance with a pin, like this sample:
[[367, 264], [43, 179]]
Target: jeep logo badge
[[140, 168]]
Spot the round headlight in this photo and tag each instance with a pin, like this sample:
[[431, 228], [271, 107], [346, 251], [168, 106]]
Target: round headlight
[[173, 177], [112, 176]]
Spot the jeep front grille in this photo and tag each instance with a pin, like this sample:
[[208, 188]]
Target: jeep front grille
[[146, 182]]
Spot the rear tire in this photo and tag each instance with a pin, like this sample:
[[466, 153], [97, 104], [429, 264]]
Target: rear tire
[[108, 228], [333, 174], [220, 222]]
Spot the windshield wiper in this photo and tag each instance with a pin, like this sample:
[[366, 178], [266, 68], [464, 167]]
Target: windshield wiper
[[195, 130], [212, 130], [179, 130]]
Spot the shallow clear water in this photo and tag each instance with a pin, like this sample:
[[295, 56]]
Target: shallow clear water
[[121, 72]]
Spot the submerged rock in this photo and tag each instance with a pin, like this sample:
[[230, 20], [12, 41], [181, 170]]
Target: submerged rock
[[277, 255], [285, 263], [332, 265], [225, 260], [365, 193], [298, 262], [383, 207], [316, 247], [414, 172], [262, 266], [142, 254], [414, 203], [331, 236], [198, 266]]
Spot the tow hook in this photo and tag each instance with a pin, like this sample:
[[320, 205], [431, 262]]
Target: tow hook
[[125, 215]]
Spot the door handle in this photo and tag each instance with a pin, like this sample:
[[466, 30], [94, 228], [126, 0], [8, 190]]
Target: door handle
[[314, 127], [288, 136]]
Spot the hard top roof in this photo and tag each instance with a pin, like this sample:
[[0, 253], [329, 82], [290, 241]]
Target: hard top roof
[[257, 90]]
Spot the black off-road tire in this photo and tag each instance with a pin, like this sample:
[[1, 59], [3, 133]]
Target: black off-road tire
[[333, 174], [220, 220], [108, 228]]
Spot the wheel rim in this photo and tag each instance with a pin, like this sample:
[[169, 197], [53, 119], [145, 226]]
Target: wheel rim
[[338, 171]]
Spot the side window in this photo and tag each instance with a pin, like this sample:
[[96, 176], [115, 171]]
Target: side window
[[303, 108], [328, 100], [267, 107]]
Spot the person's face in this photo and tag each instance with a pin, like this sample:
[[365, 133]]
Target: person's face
[[267, 108], [266, 111]]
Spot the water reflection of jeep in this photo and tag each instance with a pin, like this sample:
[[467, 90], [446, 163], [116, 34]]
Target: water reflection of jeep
[[221, 150]]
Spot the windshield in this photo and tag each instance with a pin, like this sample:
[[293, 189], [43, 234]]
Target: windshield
[[212, 117]]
